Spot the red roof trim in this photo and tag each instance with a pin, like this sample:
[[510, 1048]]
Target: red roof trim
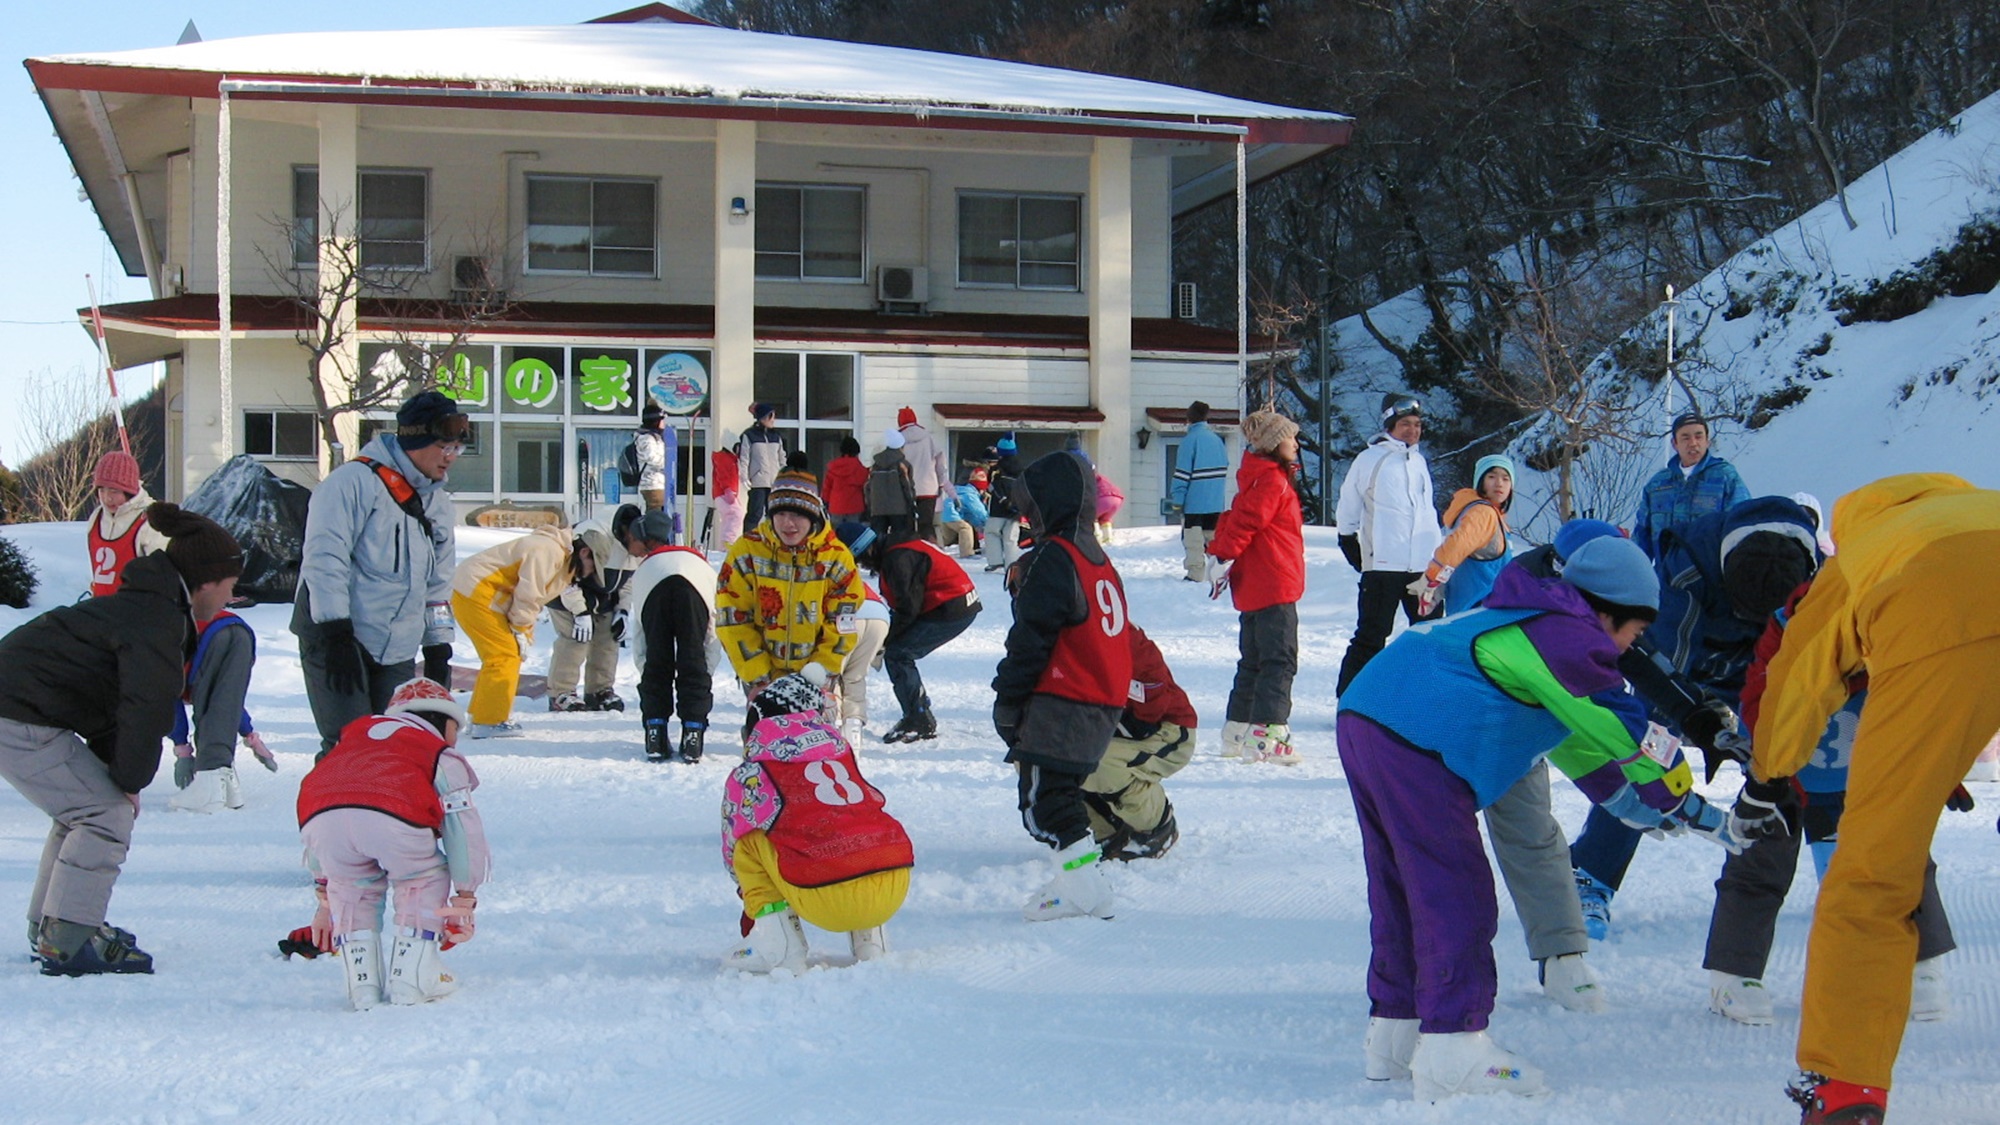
[[1045, 415], [645, 12], [196, 313]]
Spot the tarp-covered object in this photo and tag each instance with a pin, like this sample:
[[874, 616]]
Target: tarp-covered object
[[267, 515]]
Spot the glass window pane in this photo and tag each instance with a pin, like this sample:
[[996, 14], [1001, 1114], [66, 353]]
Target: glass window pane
[[833, 232], [822, 446], [297, 435], [604, 384], [1041, 275], [776, 380], [777, 220], [531, 458], [305, 216], [623, 215], [830, 388], [621, 261], [986, 239], [530, 380], [558, 224], [393, 195], [472, 474], [257, 439], [1049, 229]]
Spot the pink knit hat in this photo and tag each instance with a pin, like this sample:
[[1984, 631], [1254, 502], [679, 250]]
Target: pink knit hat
[[118, 470]]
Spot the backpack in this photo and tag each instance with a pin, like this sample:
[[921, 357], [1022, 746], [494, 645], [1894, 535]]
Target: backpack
[[628, 465]]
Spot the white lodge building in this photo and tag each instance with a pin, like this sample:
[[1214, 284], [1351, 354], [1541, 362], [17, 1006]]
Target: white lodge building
[[837, 228]]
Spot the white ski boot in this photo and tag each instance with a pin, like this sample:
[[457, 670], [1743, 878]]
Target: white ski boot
[[205, 794], [1468, 1062], [870, 944], [1571, 983], [777, 941], [361, 961], [1270, 742], [232, 788], [1233, 734], [1742, 999], [1388, 1047], [1929, 998], [416, 969], [1079, 887], [851, 730]]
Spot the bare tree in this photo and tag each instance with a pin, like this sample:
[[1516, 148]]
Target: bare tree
[[68, 419]]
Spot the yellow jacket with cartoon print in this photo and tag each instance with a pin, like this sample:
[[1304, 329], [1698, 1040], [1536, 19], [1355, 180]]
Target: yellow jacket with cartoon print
[[778, 609], [1912, 549]]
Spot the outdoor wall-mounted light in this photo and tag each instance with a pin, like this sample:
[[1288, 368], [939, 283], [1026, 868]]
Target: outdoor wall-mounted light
[[1145, 437], [738, 208]]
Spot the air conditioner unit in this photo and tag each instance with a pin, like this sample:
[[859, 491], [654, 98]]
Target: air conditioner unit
[[1184, 300], [902, 285]]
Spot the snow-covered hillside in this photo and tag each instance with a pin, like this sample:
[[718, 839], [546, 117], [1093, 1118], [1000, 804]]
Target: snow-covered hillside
[[1230, 988]]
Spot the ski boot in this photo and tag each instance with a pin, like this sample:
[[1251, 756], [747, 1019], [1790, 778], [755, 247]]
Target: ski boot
[[657, 747], [870, 944], [1570, 983], [205, 794], [361, 962], [506, 728], [777, 941], [913, 728], [1742, 999], [1596, 899], [692, 735], [1929, 998], [606, 700], [1233, 734], [1827, 1101], [72, 949], [1128, 844], [1080, 887], [567, 701], [1468, 1062], [1387, 1048], [1270, 742], [416, 968]]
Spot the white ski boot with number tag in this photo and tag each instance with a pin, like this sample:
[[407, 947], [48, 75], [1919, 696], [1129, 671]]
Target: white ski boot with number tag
[[1080, 886], [361, 961], [416, 969]]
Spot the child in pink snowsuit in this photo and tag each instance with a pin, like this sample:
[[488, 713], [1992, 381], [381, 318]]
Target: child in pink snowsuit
[[391, 804], [1109, 500]]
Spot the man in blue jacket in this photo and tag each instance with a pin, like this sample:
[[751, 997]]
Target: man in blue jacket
[[1721, 578], [1693, 484], [1200, 471]]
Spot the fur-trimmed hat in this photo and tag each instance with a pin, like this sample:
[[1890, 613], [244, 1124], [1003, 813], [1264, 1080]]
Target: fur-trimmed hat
[[120, 470], [1265, 430], [427, 698], [794, 491], [198, 546]]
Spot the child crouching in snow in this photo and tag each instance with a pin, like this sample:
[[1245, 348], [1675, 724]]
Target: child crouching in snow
[[806, 836], [1449, 717], [393, 801]]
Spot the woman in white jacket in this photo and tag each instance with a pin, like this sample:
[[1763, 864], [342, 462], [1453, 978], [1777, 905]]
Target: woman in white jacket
[[1388, 528]]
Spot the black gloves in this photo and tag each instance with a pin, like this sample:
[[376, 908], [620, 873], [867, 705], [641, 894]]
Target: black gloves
[[437, 664], [346, 665], [1350, 546], [1765, 810], [1705, 722], [618, 626], [1007, 722], [1960, 800]]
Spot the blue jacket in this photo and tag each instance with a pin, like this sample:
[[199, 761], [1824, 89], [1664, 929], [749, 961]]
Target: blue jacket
[[1531, 675], [1697, 632], [1200, 472], [970, 507], [1674, 499]]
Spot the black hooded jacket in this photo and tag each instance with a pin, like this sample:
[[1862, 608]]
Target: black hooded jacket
[[110, 669], [1058, 494]]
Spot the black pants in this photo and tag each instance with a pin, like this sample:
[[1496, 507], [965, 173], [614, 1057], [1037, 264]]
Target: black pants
[[675, 620], [1052, 805], [1267, 645], [333, 710], [753, 509], [1753, 886], [1381, 592], [927, 518]]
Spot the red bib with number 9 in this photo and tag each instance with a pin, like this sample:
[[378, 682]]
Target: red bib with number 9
[[1092, 661]]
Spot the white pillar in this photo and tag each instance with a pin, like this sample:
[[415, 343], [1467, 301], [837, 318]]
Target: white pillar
[[1108, 248], [732, 380], [339, 224], [224, 322]]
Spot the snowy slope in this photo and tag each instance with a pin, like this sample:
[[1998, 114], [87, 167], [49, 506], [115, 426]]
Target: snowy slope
[[1229, 988]]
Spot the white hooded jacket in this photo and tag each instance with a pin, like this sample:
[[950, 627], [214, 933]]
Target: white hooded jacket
[[1386, 500]]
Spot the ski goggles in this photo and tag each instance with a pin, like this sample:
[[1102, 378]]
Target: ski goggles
[[1409, 404], [447, 429]]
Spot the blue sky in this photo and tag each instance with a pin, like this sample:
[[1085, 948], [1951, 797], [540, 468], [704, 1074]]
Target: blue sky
[[50, 240]]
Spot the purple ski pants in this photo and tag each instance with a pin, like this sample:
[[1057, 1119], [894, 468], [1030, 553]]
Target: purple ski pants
[[1432, 913]]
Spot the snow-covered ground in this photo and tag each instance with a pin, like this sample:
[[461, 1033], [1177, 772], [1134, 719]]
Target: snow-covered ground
[[1229, 987]]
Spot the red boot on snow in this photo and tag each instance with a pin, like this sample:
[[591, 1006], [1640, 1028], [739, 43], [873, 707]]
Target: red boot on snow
[[1829, 1101]]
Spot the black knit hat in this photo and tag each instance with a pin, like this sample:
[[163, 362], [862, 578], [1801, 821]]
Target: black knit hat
[[1762, 570], [197, 546], [800, 692], [429, 418]]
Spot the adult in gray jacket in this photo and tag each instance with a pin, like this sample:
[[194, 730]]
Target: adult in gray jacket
[[375, 582]]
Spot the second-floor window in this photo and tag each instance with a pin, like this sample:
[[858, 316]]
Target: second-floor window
[[1019, 241], [581, 224], [811, 232], [392, 218]]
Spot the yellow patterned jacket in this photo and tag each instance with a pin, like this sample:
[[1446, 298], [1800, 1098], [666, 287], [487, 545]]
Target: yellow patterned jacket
[[778, 609]]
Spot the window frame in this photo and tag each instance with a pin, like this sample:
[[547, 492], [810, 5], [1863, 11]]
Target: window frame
[[801, 188], [272, 413], [591, 247], [300, 221], [1016, 197]]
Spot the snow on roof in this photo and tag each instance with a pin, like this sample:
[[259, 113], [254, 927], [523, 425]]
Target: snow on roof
[[686, 61]]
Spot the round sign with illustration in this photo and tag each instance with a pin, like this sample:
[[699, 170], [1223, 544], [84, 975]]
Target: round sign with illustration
[[678, 382]]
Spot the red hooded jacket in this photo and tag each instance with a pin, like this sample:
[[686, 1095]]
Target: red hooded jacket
[[1264, 531]]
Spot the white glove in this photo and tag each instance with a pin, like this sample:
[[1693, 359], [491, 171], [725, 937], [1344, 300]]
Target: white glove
[[521, 642], [1218, 576], [583, 628]]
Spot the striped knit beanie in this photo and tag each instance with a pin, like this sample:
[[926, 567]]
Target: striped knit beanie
[[795, 491]]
